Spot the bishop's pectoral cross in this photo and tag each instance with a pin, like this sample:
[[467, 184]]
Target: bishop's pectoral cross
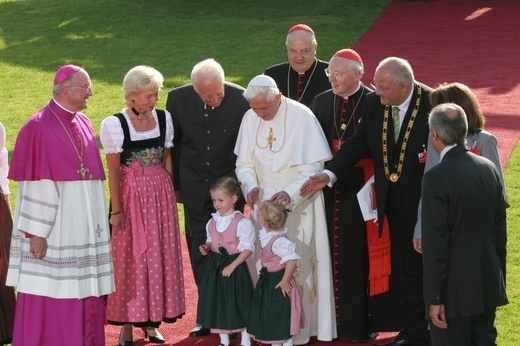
[[270, 139], [82, 170]]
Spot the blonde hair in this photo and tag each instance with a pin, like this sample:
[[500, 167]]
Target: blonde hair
[[272, 216], [138, 79]]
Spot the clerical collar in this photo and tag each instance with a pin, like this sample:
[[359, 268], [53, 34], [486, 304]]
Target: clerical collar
[[445, 150], [65, 109], [314, 64], [206, 106], [355, 91]]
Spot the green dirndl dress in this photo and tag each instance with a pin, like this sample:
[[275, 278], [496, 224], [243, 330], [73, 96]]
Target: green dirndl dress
[[270, 316], [224, 301]]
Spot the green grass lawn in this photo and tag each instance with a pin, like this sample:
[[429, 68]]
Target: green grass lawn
[[108, 38]]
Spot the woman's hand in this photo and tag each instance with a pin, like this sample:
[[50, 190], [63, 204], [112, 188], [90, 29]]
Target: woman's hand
[[117, 221]]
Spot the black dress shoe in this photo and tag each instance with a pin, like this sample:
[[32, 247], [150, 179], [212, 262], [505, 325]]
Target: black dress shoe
[[155, 339], [234, 335], [124, 342], [371, 337], [199, 331]]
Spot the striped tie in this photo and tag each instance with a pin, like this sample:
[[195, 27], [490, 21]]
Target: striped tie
[[395, 119]]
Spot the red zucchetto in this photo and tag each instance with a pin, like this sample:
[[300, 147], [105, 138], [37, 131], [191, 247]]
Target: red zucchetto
[[349, 54], [303, 27]]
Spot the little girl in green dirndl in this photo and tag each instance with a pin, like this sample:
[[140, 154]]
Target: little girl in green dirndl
[[226, 289], [276, 311]]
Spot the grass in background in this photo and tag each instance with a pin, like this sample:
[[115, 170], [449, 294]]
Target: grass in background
[[108, 38]]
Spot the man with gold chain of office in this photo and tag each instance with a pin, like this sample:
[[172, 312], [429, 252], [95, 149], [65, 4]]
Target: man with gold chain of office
[[398, 106]]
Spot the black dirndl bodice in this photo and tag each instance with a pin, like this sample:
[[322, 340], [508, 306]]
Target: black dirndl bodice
[[146, 152]]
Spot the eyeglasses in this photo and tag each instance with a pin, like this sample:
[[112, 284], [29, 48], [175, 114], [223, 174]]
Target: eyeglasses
[[336, 75], [87, 88], [381, 91]]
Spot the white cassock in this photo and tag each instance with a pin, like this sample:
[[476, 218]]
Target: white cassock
[[71, 215], [299, 150]]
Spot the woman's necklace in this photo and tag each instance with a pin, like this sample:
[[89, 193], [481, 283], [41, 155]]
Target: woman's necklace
[[270, 138], [306, 84], [141, 116], [343, 129], [394, 177], [82, 170]]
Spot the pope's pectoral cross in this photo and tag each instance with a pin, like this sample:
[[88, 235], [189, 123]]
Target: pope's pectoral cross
[[82, 170], [270, 139]]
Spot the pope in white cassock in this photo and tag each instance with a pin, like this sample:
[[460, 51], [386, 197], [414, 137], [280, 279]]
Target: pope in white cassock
[[280, 145]]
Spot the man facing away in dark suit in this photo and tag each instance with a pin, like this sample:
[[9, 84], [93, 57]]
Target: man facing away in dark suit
[[397, 149], [464, 237], [206, 117]]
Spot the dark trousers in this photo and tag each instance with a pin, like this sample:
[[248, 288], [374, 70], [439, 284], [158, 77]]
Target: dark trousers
[[195, 230], [476, 330], [415, 326]]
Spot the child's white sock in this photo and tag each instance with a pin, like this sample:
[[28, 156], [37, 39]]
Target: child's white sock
[[224, 339], [246, 338], [288, 342]]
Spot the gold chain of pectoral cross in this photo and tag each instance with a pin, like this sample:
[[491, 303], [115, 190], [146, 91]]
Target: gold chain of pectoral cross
[[82, 170], [271, 138]]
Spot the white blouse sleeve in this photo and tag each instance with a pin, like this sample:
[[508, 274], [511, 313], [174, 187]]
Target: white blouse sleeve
[[4, 166], [285, 249], [246, 234], [168, 140], [111, 135]]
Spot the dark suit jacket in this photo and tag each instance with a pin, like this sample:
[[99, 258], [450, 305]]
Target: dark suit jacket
[[367, 142], [318, 84], [464, 234], [204, 141]]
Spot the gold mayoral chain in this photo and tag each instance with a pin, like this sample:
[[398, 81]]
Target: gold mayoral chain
[[82, 170], [306, 84], [270, 139], [394, 177], [344, 126]]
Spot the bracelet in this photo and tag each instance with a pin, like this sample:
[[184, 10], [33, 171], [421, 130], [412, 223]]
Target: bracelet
[[115, 212]]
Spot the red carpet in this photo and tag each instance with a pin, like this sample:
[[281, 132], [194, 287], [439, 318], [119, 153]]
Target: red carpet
[[475, 42]]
